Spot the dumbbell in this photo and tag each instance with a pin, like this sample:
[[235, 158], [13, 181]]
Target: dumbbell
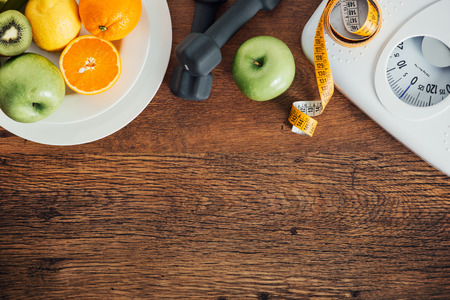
[[183, 84], [199, 53]]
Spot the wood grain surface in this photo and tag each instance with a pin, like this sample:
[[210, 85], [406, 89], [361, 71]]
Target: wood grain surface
[[219, 200]]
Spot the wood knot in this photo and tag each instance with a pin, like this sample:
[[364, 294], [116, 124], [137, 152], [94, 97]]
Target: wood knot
[[49, 214], [355, 294]]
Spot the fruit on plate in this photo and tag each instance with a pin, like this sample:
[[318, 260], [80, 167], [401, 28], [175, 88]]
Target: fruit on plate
[[31, 88], [263, 68], [15, 33], [110, 20], [90, 65], [55, 22]]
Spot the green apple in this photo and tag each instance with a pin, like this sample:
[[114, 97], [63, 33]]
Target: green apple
[[31, 88], [263, 68]]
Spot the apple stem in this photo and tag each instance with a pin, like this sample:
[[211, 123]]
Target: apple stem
[[257, 63]]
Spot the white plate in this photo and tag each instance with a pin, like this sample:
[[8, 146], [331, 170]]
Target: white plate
[[145, 54]]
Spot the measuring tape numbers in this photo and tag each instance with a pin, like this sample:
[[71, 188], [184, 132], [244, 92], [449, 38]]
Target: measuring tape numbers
[[358, 33]]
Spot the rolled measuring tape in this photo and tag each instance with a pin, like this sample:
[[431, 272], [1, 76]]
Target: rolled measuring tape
[[356, 34]]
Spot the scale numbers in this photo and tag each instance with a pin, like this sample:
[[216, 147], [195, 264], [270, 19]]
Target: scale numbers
[[413, 79]]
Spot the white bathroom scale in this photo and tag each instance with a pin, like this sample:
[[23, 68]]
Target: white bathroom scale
[[400, 77]]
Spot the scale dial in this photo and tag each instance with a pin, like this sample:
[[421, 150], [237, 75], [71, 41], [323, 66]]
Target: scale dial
[[413, 74]]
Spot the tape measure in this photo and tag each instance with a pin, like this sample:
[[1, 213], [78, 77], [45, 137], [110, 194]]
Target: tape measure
[[302, 112]]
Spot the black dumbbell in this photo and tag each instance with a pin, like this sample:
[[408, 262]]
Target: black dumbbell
[[199, 53], [183, 84]]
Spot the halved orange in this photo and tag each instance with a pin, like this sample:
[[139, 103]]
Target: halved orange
[[90, 65]]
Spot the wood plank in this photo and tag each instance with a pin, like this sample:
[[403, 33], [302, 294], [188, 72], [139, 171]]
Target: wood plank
[[215, 225], [219, 200]]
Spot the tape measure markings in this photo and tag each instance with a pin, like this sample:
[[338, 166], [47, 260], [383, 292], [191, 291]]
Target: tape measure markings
[[349, 10], [302, 111]]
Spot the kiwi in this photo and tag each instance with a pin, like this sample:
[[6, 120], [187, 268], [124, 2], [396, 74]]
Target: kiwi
[[15, 33]]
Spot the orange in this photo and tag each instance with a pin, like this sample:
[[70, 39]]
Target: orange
[[90, 65], [110, 20]]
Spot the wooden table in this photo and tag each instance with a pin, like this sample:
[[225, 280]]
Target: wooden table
[[219, 200]]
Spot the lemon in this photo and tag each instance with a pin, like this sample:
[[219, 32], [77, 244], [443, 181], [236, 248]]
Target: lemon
[[54, 22]]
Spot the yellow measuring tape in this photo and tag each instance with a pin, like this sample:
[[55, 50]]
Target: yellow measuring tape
[[302, 112]]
